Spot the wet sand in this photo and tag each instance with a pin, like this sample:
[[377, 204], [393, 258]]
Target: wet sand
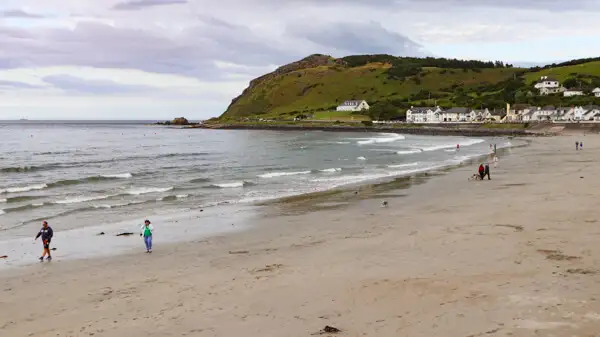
[[514, 256]]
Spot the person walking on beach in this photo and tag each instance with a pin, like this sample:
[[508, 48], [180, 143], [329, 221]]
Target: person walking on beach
[[495, 160], [457, 147], [146, 232], [486, 172], [46, 233], [576, 145], [481, 171], [581, 145]]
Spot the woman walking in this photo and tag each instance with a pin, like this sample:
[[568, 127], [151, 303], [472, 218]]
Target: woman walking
[[146, 232]]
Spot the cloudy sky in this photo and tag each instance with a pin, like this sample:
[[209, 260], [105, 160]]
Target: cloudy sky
[[158, 59]]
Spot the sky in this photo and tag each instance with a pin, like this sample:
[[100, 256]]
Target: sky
[[160, 59]]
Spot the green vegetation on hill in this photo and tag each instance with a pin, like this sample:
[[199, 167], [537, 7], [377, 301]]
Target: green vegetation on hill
[[315, 85]]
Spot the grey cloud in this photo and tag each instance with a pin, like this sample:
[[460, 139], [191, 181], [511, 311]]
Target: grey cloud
[[439, 5], [17, 13], [191, 52], [17, 85], [358, 38], [78, 85], [141, 4]]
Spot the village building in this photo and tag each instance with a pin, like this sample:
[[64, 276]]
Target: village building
[[360, 105], [596, 92], [572, 92], [548, 85], [456, 114], [424, 114]]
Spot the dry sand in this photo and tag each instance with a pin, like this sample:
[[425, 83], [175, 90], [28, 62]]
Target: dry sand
[[514, 256]]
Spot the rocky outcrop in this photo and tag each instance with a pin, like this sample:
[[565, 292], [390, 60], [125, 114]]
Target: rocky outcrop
[[180, 121]]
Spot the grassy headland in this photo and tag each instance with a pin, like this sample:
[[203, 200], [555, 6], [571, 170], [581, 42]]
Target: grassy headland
[[315, 85]]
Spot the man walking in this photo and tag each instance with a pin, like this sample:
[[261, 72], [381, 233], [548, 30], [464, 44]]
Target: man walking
[[487, 171], [146, 232], [46, 233]]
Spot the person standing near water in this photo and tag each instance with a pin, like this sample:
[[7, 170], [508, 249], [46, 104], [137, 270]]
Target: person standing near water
[[46, 233], [576, 145], [486, 172], [581, 145], [495, 160], [146, 232]]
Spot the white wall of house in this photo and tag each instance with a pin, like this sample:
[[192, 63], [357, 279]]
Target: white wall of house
[[360, 107], [571, 93]]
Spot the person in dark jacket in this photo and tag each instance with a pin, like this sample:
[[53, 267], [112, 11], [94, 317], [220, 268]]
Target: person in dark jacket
[[487, 172], [46, 233], [481, 171]]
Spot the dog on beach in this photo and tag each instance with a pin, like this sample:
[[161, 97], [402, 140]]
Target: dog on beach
[[475, 176], [384, 204]]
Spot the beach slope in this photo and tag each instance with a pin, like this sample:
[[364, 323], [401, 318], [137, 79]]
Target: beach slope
[[513, 256]]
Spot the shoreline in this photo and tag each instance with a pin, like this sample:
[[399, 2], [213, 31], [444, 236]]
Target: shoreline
[[84, 243], [475, 130], [510, 256]]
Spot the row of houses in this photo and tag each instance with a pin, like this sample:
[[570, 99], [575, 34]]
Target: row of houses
[[548, 85], [458, 114], [517, 113]]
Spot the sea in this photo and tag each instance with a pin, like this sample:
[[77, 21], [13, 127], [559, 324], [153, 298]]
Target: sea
[[85, 178]]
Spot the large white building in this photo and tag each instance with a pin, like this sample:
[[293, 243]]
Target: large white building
[[424, 115], [548, 85], [360, 105]]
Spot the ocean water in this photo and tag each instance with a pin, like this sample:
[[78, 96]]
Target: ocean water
[[79, 175]]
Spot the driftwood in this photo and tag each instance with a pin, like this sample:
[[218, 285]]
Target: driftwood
[[125, 234], [3, 256]]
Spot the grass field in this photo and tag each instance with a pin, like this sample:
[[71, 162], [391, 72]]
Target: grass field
[[562, 73], [339, 116], [323, 88]]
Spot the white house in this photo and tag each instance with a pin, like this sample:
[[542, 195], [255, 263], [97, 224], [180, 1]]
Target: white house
[[591, 113], [547, 82], [353, 106], [572, 92], [456, 115], [548, 85], [424, 114], [596, 92], [517, 112]]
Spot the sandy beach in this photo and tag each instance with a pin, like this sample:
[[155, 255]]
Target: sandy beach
[[513, 256]]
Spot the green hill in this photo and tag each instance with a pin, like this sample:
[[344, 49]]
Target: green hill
[[317, 84]]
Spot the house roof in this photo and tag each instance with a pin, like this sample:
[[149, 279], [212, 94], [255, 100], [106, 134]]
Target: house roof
[[549, 78], [458, 110], [521, 106], [596, 90], [422, 109], [499, 112], [591, 107], [352, 103], [549, 107]]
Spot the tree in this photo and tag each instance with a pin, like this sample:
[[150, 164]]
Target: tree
[[383, 111], [570, 83]]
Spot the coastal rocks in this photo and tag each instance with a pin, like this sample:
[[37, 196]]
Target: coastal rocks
[[180, 121]]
